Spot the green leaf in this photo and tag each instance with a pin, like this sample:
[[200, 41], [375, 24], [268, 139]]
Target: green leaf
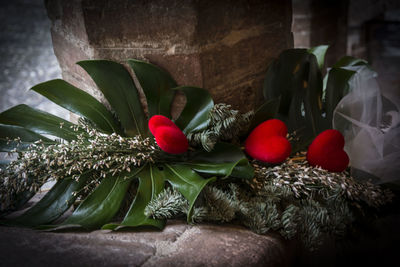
[[102, 204], [187, 182], [344, 62], [266, 111], [53, 204], [156, 84], [348, 61], [243, 170], [116, 84], [313, 98], [296, 78], [222, 161], [78, 102], [337, 87], [151, 183], [195, 115], [38, 121], [319, 52], [26, 138], [281, 75]]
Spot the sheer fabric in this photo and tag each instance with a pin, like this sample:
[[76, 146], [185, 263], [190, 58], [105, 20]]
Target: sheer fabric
[[370, 124]]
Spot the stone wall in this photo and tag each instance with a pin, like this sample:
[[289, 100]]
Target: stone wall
[[317, 22], [224, 46]]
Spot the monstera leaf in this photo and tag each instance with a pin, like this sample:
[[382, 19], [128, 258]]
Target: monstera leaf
[[305, 104], [127, 118]]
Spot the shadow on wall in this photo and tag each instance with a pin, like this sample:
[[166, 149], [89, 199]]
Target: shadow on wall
[[27, 56]]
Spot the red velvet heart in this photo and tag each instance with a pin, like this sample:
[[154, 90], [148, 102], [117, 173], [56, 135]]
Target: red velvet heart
[[327, 151], [171, 140], [274, 149], [168, 136], [160, 120], [267, 142]]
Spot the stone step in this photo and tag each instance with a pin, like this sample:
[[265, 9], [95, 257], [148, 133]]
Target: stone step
[[179, 244]]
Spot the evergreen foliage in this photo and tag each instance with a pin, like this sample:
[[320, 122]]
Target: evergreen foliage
[[224, 124], [270, 203], [167, 204]]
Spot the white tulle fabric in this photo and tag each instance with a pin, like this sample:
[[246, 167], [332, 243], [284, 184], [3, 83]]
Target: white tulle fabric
[[370, 124]]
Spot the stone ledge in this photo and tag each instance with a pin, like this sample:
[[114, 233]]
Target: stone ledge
[[178, 245]]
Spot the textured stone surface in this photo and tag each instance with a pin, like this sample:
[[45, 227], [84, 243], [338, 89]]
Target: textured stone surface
[[223, 46], [178, 245]]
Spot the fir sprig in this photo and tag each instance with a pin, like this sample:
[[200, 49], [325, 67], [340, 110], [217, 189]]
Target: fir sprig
[[167, 204], [224, 124]]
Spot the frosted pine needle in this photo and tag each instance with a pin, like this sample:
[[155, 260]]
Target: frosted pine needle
[[90, 151]]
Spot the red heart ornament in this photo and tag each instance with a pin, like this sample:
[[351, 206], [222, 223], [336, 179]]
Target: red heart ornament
[[327, 151], [171, 140], [267, 142], [168, 136], [160, 120], [274, 149]]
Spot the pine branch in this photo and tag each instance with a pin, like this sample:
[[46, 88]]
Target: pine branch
[[225, 124], [220, 205], [290, 221], [166, 205]]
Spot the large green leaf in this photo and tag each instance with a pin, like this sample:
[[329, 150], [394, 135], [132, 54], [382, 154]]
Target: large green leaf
[[116, 84], [307, 102], [348, 61], [195, 115], [102, 204], [337, 87], [187, 182], [156, 85], [79, 102], [296, 78], [151, 183], [222, 161], [344, 62], [319, 52], [10, 132], [312, 101], [53, 204], [281, 75], [38, 121]]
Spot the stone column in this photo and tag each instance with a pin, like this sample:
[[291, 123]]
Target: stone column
[[221, 45], [317, 22]]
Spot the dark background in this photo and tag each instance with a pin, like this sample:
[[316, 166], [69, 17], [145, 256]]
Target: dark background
[[26, 55]]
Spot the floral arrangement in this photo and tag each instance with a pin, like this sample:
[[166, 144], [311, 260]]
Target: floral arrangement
[[279, 168]]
